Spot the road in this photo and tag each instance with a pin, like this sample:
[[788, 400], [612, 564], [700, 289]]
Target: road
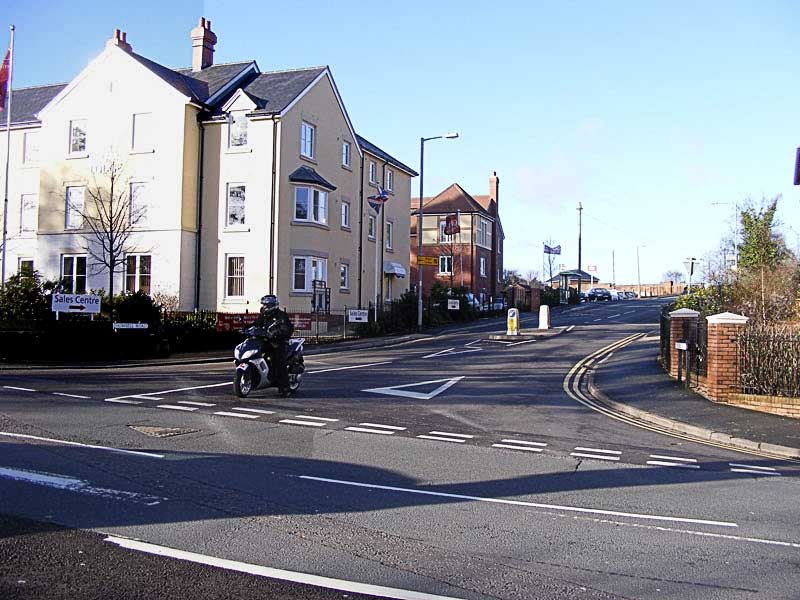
[[452, 466]]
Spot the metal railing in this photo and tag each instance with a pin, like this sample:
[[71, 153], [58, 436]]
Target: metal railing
[[769, 360]]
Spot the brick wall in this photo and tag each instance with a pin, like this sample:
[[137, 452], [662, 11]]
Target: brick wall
[[777, 405]]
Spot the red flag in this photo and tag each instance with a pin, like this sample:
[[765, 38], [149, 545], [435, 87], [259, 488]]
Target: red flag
[[4, 75]]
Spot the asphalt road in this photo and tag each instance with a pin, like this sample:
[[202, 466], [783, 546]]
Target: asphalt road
[[453, 465]]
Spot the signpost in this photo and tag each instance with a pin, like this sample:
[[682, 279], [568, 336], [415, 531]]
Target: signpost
[[453, 304], [689, 263], [592, 270], [75, 303], [356, 315], [427, 261]]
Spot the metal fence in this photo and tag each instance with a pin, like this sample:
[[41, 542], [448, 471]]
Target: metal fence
[[769, 360], [666, 343], [699, 348]]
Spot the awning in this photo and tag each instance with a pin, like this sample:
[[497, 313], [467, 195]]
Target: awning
[[394, 268], [305, 174]]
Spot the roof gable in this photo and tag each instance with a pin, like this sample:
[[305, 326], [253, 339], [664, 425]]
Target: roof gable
[[377, 152], [453, 199]]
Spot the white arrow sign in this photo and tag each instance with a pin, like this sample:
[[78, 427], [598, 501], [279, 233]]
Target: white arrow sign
[[400, 390]]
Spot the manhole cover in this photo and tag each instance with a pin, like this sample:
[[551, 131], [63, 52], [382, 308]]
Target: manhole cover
[[162, 432]]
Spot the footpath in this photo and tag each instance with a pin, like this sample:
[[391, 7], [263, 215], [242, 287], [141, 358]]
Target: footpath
[[632, 382]]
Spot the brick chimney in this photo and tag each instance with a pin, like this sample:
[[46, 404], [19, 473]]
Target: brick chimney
[[494, 191], [120, 39], [203, 40]]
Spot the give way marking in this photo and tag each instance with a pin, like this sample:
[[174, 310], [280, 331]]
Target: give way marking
[[403, 392]]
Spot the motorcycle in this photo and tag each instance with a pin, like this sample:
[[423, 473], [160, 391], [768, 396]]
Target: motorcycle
[[254, 365]]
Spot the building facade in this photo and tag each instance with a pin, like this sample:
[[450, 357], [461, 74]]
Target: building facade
[[237, 182], [473, 257]]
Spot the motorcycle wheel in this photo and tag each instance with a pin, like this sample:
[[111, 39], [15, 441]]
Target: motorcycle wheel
[[294, 382], [243, 382]]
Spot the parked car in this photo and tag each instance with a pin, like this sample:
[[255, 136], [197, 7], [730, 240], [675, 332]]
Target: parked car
[[598, 294], [630, 294], [499, 304]]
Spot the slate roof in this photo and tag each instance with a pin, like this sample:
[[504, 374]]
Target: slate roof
[[305, 174], [26, 102], [373, 149], [273, 91]]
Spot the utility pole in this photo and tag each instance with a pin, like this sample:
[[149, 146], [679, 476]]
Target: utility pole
[[580, 215], [613, 270]]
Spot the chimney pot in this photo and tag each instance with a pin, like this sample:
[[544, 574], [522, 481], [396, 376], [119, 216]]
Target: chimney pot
[[120, 40], [203, 41]]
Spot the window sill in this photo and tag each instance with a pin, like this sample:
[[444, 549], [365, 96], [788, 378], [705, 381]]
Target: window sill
[[135, 152], [308, 159], [346, 228], [235, 300], [311, 224], [344, 290], [391, 250], [236, 230], [301, 293], [370, 239], [347, 168], [235, 150], [77, 155]]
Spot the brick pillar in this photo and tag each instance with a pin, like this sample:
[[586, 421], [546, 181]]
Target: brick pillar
[[681, 322], [723, 365]]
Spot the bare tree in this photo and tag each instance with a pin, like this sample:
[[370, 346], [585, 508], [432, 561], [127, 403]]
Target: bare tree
[[674, 276], [109, 217], [531, 276]]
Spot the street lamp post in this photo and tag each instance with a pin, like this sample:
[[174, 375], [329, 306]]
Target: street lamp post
[[638, 272], [422, 140]]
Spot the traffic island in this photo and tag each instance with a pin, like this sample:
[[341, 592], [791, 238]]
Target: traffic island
[[526, 335]]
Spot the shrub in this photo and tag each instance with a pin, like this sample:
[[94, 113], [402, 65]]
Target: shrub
[[25, 296]]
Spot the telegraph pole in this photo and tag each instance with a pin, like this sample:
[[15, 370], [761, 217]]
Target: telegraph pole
[[613, 270], [580, 215]]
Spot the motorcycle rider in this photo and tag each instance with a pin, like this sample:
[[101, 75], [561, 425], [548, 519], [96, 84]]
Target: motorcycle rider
[[274, 319]]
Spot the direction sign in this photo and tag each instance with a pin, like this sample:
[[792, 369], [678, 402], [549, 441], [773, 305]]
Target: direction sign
[[427, 261], [79, 303], [355, 315]]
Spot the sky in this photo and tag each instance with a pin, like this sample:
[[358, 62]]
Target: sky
[[656, 117]]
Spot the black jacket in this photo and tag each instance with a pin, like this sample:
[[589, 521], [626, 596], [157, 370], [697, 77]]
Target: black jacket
[[283, 326]]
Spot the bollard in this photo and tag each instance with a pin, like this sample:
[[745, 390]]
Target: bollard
[[513, 322], [544, 317]]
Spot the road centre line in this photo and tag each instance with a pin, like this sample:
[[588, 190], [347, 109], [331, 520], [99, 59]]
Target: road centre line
[[386, 362], [666, 463], [395, 427], [24, 436], [583, 449], [259, 411], [308, 423], [121, 401], [512, 447], [596, 320], [326, 419], [597, 456], [281, 574], [526, 443], [71, 395], [368, 430], [459, 435], [224, 413], [441, 439], [663, 457], [192, 403], [743, 466], [576, 509], [614, 316], [175, 407], [754, 472], [18, 389]]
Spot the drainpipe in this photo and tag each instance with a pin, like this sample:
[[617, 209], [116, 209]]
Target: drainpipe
[[383, 229], [273, 244], [360, 230], [199, 244]]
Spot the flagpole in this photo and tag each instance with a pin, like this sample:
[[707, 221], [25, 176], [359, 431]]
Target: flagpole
[[8, 156], [375, 292]]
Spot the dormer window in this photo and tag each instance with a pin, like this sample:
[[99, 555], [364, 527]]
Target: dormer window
[[237, 129]]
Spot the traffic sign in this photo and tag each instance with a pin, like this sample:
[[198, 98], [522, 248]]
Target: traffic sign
[[427, 261], [78, 303], [453, 304], [689, 263]]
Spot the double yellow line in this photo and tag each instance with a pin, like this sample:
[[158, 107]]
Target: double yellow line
[[572, 387]]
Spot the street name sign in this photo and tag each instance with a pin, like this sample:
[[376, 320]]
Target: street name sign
[[453, 304], [355, 315], [77, 303], [130, 325], [427, 261]]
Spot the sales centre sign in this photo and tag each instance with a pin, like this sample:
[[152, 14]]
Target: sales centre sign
[[78, 303]]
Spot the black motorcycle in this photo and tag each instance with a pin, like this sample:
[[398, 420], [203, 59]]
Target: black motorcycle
[[254, 368]]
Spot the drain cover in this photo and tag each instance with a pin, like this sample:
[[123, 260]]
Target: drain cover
[[162, 432]]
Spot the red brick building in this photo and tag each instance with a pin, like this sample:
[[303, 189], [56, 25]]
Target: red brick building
[[472, 258]]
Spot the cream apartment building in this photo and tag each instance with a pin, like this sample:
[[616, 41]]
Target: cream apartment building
[[249, 182]]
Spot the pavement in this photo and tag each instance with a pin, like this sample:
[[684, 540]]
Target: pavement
[[633, 382]]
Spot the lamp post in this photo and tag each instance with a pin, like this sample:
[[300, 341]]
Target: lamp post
[[422, 140], [638, 272]]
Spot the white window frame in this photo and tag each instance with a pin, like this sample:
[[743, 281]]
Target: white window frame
[[138, 275], [28, 219], [316, 202], [344, 276], [443, 237], [73, 219], [229, 277], [139, 202], [228, 188], [484, 237], [28, 157], [143, 142], [389, 180], [21, 260], [308, 141], [443, 260], [311, 268], [483, 266], [85, 149], [373, 172], [345, 214], [238, 119], [372, 226], [388, 235], [346, 154], [74, 274]]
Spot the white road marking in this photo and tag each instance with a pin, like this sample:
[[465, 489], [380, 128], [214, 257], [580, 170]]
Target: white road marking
[[666, 463], [630, 312], [473, 342], [395, 427], [140, 396], [512, 447], [754, 472], [25, 436], [524, 442], [451, 352], [662, 457], [596, 320], [441, 439], [326, 419], [400, 390], [743, 466], [614, 316], [281, 574], [500, 342], [597, 456], [62, 482], [223, 413], [350, 367], [459, 435], [174, 407], [121, 401], [577, 509], [18, 389], [309, 423], [192, 403], [368, 430], [149, 396], [71, 395], [583, 449], [522, 342], [570, 328], [255, 410]]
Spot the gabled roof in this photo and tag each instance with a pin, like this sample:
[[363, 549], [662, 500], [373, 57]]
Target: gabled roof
[[573, 274], [273, 91], [451, 200], [26, 102], [305, 174], [375, 151]]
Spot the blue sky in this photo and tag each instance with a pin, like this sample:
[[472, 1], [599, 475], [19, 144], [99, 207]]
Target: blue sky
[[646, 113]]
